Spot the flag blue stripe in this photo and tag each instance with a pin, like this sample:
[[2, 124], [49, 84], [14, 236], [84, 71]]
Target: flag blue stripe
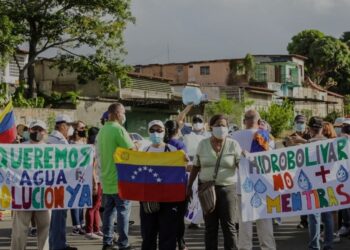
[[151, 174], [8, 122]]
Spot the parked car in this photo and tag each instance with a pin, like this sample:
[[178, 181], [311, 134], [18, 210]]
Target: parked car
[[142, 142]]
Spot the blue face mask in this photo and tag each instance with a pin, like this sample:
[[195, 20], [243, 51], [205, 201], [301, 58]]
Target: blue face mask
[[25, 135], [156, 138], [299, 127]]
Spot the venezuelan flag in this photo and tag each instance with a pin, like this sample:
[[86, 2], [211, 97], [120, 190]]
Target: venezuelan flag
[[7, 125], [149, 176]]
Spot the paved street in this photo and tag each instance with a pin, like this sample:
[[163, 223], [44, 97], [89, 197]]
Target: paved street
[[288, 237]]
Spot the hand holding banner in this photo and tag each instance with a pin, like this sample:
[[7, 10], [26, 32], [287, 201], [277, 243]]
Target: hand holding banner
[[45, 176], [298, 180]]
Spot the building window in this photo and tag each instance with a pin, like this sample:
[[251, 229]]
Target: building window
[[204, 70], [179, 68], [137, 69], [191, 66]]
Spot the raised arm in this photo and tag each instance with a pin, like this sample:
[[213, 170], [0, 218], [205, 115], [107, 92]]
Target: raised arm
[[181, 117]]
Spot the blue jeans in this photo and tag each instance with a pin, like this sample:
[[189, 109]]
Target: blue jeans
[[77, 215], [315, 229], [57, 234], [112, 204]]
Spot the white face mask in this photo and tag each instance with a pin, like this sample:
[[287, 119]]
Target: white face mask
[[123, 119], [70, 131], [198, 126], [220, 132]]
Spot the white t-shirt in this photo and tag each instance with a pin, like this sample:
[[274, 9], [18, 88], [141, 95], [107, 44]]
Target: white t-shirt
[[160, 149], [192, 141], [244, 138]]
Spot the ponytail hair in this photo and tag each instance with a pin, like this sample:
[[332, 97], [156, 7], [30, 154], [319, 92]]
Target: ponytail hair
[[171, 129]]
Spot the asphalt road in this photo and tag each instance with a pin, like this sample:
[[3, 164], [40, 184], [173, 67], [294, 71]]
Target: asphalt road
[[288, 237]]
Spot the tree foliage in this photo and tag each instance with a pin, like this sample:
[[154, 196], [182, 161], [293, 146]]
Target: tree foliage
[[279, 116], [328, 58], [230, 107], [70, 26], [8, 40], [249, 65]]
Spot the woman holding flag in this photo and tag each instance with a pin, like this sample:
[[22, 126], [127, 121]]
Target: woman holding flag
[[217, 160], [159, 217]]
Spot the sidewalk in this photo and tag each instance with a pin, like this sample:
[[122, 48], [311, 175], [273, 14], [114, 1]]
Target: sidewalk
[[288, 237]]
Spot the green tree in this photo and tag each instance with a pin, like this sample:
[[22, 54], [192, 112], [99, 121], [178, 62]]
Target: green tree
[[8, 40], [70, 25], [345, 37], [249, 65], [230, 107], [329, 55], [279, 116], [328, 58], [301, 44]]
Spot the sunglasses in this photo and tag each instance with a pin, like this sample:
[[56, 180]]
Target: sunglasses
[[152, 130]]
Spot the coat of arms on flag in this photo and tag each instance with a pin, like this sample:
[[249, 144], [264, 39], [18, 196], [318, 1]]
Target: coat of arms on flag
[[149, 176]]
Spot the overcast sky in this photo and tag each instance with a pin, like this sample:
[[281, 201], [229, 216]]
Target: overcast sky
[[214, 29]]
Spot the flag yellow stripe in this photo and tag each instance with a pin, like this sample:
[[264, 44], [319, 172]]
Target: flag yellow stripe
[[169, 159], [7, 109]]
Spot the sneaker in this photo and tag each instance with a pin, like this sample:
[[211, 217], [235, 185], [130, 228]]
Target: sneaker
[[32, 232], [343, 231], [78, 231], [99, 233], [277, 222], [92, 236], [302, 225], [194, 226], [336, 238], [108, 247]]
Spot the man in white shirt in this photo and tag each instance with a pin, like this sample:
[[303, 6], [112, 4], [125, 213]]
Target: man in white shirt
[[264, 226], [57, 238]]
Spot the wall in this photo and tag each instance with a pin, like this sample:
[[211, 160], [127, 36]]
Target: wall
[[218, 73], [26, 115]]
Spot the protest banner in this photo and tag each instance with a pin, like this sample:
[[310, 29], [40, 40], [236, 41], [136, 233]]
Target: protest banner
[[149, 176], [45, 176], [299, 180]]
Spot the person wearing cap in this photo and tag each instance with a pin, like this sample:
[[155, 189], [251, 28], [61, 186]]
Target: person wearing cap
[[198, 126], [192, 140], [315, 125], [21, 219], [301, 134], [300, 131], [159, 218], [57, 237], [110, 137], [104, 117]]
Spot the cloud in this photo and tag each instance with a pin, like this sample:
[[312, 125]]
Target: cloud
[[210, 29]]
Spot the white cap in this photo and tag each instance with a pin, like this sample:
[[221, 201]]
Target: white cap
[[38, 123], [346, 121], [339, 121], [155, 122], [63, 118]]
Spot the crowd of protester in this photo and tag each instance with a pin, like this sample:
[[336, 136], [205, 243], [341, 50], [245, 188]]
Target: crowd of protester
[[209, 148]]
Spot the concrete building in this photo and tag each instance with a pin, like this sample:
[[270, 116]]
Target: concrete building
[[275, 77], [146, 98]]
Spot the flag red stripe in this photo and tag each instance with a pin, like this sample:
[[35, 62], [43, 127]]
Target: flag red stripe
[[152, 192], [9, 135]]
